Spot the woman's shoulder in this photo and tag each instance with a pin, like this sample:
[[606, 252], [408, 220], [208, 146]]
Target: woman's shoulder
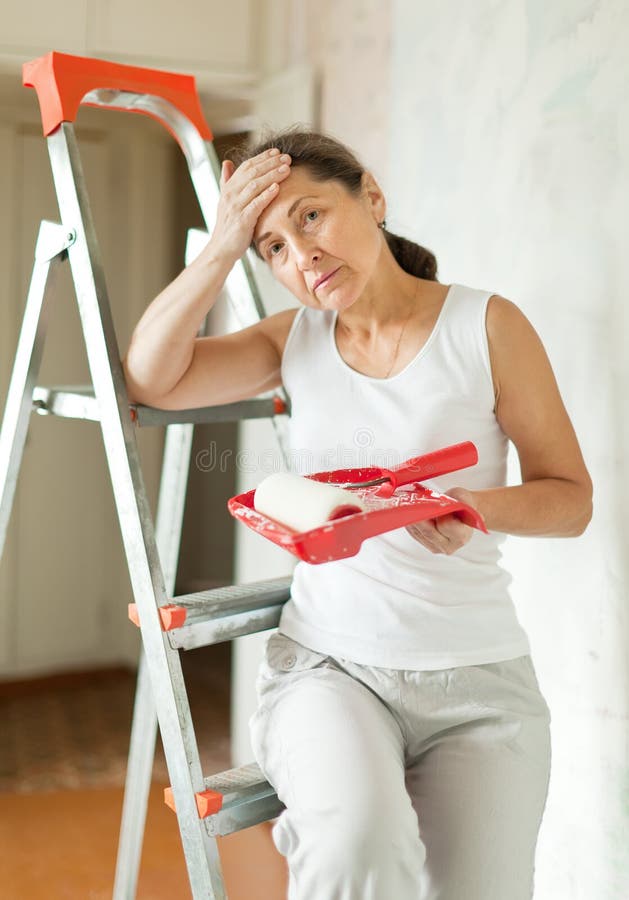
[[515, 346], [500, 312], [504, 318]]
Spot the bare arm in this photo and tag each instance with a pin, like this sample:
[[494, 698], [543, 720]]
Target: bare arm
[[162, 343], [555, 497], [162, 346]]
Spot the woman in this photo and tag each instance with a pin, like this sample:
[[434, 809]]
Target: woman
[[400, 718]]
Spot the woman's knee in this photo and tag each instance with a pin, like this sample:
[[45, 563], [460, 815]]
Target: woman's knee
[[379, 840]]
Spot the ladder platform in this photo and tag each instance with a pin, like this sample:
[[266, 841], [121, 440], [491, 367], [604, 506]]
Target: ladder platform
[[234, 799], [223, 613], [79, 402]]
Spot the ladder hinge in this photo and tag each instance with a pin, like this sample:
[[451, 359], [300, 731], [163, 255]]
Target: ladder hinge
[[52, 240]]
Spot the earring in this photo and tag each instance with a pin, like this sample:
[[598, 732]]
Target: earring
[[382, 224]]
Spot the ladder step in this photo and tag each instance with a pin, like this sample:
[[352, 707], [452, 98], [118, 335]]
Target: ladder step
[[257, 408], [234, 799], [223, 613], [79, 402]]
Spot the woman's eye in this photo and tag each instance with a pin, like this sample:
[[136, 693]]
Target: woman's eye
[[274, 249], [312, 215]]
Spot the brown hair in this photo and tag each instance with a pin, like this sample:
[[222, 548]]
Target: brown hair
[[327, 158]]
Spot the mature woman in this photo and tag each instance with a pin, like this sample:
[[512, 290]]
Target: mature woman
[[400, 718]]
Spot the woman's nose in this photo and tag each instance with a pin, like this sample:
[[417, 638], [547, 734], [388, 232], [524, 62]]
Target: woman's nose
[[306, 254]]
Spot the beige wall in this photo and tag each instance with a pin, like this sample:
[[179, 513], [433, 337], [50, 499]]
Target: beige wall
[[215, 42], [64, 580]]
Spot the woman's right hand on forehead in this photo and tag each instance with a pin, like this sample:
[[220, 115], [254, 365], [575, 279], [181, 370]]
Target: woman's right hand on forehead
[[245, 193]]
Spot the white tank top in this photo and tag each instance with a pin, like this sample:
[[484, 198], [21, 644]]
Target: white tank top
[[396, 604]]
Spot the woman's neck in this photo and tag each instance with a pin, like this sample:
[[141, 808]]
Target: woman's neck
[[382, 308]]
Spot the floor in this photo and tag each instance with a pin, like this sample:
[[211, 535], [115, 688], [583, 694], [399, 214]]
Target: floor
[[62, 766], [62, 844]]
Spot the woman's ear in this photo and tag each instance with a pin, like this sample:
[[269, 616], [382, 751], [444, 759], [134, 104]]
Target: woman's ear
[[373, 196]]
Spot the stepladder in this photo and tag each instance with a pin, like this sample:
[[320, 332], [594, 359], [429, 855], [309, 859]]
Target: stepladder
[[206, 805]]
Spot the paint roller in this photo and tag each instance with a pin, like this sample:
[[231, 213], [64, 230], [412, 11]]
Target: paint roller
[[303, 503]]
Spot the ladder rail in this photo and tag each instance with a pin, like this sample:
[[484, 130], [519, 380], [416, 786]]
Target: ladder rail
[[52, 241], [137, 785], [169, 523], [133, 510]]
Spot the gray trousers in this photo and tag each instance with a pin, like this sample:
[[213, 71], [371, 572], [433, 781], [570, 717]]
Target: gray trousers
[[402, 784]]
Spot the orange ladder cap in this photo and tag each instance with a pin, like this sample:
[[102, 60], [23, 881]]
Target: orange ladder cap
[[171, 615], [62, 81], [208, 802]]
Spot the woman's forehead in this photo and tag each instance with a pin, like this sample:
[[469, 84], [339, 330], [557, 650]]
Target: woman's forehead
[[299, 184]]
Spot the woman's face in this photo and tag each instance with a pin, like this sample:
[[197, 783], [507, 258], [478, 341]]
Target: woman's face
[[319, 240]]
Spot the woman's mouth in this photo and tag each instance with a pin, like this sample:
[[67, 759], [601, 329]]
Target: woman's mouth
[[324, 279]]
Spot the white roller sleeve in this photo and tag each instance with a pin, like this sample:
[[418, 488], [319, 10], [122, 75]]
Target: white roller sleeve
[[302, 503]]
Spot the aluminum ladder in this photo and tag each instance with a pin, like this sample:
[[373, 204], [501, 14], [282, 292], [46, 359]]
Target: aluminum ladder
[[238, 798]]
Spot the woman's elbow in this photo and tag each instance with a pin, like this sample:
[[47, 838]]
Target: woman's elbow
[[583, 522], [586, 510]]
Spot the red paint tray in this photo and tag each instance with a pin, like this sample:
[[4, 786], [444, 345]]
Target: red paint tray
[[408, 502]]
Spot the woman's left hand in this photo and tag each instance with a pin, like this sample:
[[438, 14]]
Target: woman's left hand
[[447, 534]]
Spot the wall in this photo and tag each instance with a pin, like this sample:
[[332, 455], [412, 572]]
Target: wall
[[509, 156], [64, 582], [349, 43], [195, 36]]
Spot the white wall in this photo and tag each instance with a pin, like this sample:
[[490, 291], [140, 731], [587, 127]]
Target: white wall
[[509, 158]]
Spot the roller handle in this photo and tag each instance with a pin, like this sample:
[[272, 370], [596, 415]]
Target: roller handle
[[62, 81], [431, 465]]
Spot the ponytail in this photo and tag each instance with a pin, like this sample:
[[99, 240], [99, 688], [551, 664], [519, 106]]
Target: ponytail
[[413, 258]]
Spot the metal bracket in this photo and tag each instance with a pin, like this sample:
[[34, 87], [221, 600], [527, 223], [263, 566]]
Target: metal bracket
[[53, 239]]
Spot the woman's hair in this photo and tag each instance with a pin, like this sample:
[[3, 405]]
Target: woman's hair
[[326, 158]]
